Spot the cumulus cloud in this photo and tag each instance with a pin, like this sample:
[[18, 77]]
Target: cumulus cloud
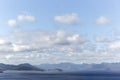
[[103, 39], [12, 23], [20, 18], [3, 41], [67, 18], [114, 46], [76, 38], [21, 48], [102, 20], [27, 18]]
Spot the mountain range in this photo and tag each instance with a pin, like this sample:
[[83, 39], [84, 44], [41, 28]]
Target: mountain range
[[20, 67], [82, 67], [63, 67]]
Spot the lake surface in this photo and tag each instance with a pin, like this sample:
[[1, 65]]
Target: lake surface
[[58, 76]]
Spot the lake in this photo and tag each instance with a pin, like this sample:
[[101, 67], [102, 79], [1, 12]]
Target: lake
[[16, 75]]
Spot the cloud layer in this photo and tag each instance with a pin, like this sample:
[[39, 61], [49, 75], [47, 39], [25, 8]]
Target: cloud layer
[[55, 47], [58, 46]]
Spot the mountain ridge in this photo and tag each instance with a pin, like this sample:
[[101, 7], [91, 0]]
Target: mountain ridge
[[62, 67], [82, 67], [24, 66]]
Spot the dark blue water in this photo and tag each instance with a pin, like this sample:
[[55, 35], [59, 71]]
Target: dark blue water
[[58, 76]]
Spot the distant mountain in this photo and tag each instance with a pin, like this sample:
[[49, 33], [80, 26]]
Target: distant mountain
[[24, 66], [63, 67], [82, 67], [27, 66], [7, 66]]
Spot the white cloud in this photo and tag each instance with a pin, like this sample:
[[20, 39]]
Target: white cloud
[[67, 18], [27, 18], [30, 18], [8, 56], [12, 23], [114, 46], [40, 41], [55, 47], [102, 39], [3, 42], [20, 48], [76, 38], [102, 20], [61, 33], [23, 17]]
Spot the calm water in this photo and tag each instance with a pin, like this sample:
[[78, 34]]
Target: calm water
[[56, 76]]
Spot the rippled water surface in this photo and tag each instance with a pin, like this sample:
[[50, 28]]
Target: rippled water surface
[[56, 76]]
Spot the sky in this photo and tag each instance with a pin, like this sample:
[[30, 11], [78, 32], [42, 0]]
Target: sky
[[58, 31]]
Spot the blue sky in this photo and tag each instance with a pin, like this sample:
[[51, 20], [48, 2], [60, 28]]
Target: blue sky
[[44, 11], [78, 31]]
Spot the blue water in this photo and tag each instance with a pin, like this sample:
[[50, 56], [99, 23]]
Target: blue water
[[56, 76]]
